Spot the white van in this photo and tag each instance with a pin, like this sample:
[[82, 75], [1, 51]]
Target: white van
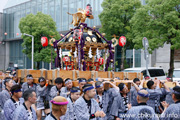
[[176, 75], [154, 72]]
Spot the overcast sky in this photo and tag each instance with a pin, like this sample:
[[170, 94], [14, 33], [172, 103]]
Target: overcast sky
[[2, 4]]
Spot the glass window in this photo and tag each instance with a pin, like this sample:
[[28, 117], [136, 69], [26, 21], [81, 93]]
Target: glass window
[[28, 11], [51, 9], [45, 8], [156, 72], [33, 7], [28, 5], [176, 74], [58, 13], [23, 6], [65, 15], [39, 1], [72, 9]]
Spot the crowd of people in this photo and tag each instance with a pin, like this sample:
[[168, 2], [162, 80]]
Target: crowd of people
[[92, 99]]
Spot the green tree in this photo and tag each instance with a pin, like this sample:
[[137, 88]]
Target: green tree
[[159, 21], [38, 25], [115, 19]]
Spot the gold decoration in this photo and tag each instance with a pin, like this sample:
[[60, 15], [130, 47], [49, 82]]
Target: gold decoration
[[115, 40], [112, 60], [98, 35], [80, 16], [94, 27], [94, 39], [71, 29], [68, 35], [89, 32], [103, 34], [81, 26], [70, 39], [88, 39], [51, 41]]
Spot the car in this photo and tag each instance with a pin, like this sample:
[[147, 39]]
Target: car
[[154, 72], [176, 75]]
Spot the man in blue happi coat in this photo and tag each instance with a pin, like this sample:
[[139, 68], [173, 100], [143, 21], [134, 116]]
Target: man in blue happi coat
[[74, 95], [65, 91], [142, 111], [25, 111], [14, 102], [29, 84], [86, 106], [172, 112], [59, 107], [56, 90], [43, 97], [105, 97]]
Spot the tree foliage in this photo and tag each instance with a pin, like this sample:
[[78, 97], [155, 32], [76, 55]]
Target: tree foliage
[[115, 19], [116, 15], [38, 25], [159, 21]]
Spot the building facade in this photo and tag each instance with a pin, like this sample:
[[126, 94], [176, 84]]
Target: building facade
[[57, 9]]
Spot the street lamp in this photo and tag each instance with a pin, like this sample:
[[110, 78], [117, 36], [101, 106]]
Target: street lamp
[[32, 49]]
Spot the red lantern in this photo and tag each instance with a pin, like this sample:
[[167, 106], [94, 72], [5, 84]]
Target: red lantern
[[44, 41], [66, 59], [101, 61], [17, 34], [122, 41]]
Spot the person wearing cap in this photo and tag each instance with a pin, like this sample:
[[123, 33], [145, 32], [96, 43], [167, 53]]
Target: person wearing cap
[[29, 84], [121, 102], [43, 97], [133, 92], [86, 106], [59, 107], [105, 97], [65, 91], [142, 111], [14, 102], [172, 112], [6, 93], [155, 94], [74, 95], [56, 90], [25, 111]]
